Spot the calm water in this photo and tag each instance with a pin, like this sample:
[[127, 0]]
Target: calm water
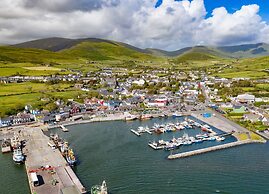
[[109, 151]]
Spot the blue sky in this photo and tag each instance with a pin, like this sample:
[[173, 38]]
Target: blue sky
[[233, 5]]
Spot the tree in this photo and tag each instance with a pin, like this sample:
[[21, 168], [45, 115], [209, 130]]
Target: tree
[[51, 106], [201, 98]]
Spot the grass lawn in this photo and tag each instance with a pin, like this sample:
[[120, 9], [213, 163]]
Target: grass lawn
[[31, 71], [243, 74], [253, 136], [42, 68], [17, 101], [242, 136], [28, 87], [15, 96]]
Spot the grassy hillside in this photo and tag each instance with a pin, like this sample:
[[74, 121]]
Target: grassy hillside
[[20, 55], [248, 68], [106, 51], [62, 54]]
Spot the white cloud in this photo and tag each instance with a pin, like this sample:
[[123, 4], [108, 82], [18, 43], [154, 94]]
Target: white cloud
[[173, 25]]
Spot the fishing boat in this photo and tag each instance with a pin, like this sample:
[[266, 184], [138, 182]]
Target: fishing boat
[[211, 138], [130, 117], [99, 189], [15, 142], [18, 157], [206, 128], [159, 131], [70, 157], [64, 147], [177, 114], [6, 146], [64, 129], [218, 138], [146, 116]]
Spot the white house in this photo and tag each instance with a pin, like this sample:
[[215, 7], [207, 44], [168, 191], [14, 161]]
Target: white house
[[245, 98], [139, 82], [160, 102]]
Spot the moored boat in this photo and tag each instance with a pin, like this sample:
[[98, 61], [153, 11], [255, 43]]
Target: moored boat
[[70, 157], [130, 117], [64, 129], [146, 116], [18, 156], [177, 114], [99, 189], [6, 146], [218, 138], [15, 142]]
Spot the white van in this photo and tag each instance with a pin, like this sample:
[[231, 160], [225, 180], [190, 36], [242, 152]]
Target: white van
[[34, 179], [52, 145]]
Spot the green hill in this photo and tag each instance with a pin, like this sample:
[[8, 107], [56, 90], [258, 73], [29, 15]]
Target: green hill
[[90, 49], [66, 54], [199, 53], [248, 68], [106, 51], [21, 55]]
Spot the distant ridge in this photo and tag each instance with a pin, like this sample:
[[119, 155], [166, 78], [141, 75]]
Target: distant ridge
[[57, 44]]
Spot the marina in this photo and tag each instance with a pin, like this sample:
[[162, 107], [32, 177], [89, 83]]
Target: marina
[[150, 171], [107, 155], [195, 122]]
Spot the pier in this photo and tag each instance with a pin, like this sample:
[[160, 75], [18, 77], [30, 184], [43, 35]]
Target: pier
[[53, 172], [135, 132], [211, 149], [64, 129]]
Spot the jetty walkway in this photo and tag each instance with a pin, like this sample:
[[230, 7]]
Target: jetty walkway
[[210, 149], [53, 172]]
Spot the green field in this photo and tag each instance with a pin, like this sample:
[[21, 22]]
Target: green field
[[27, 87], [16, 95], [247, 68]]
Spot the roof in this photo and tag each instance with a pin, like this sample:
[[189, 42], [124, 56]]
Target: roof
[[246, 97]]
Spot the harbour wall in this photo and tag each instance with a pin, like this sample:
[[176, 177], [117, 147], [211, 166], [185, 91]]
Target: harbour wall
[[210, 149]]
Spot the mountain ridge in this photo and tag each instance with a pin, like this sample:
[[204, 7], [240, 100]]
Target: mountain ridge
[[58, 44]]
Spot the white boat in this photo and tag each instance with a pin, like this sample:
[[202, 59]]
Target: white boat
[[218, 138], [146, 116], [97, 189], [177, 114], [130, 117], [18, 157], [15, 142], [141, 129], [64, 147], [5, 147], [64, 129]]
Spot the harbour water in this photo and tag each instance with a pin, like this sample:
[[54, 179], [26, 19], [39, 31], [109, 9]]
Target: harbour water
[[109, 151]]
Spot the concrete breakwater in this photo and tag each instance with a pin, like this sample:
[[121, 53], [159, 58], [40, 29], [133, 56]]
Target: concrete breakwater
[[210, 149], [110, 117], [55, 174], [113, 117]]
